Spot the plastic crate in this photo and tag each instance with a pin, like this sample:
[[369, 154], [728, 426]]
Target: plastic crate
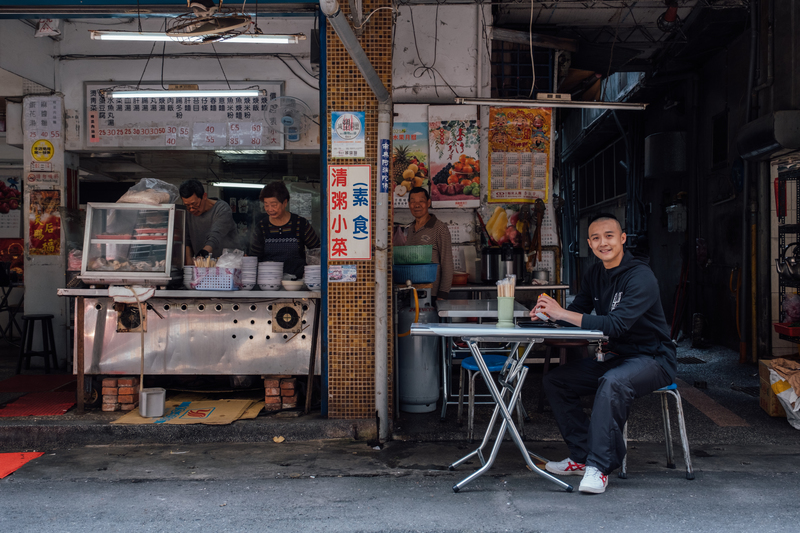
[[217, 279], [412, 255], [415, 273]]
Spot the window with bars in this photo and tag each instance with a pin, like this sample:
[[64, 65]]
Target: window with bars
[[602, 177], [512, 74]]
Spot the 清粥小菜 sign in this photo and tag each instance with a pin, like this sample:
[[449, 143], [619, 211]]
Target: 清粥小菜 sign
[[347, 134], [200, 123], [349, 214]]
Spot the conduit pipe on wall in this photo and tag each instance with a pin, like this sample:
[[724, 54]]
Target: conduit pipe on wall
[[342, 28]]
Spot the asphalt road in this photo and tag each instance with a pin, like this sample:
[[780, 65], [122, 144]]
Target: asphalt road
[[336, 486]]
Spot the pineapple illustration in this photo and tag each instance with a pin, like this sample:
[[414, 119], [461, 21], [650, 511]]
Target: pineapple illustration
[[400, 161]]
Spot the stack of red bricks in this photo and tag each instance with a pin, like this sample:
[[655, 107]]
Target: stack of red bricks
[[120, 394], [280, 392]]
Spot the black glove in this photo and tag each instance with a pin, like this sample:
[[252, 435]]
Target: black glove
[[202, 253]]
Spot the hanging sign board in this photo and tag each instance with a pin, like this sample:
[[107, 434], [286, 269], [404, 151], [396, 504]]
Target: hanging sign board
[[349, 212], [200, 123], [347, 134], [519, 154]]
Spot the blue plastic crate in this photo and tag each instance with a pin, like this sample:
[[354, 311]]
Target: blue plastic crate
[[415, 273]]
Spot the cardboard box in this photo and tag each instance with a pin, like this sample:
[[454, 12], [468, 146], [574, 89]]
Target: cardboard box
[[767, 399]]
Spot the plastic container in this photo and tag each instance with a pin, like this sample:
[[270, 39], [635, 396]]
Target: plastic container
[[217, 279], [151, 402], [415, 273], [412, 255]]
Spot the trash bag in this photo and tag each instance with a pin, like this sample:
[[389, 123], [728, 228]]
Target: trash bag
[[787, 397], [399, 237], [313, 256], [150, 191], [791, 306]]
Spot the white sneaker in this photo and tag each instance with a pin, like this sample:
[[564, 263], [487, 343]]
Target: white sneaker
[[567, 467], [594, 481]]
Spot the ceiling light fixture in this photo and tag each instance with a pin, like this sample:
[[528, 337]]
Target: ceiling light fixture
[[252, 38], [238, 185], [149, 93], [508, 102]]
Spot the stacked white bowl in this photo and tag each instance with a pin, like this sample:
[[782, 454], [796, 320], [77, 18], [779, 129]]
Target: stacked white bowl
[[270, 274], [249, 272], [188, 276], [312, 277]]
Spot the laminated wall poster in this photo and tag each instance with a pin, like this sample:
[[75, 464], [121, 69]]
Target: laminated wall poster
[[410, 151], [45, 223], [454, 140], [519, 154]]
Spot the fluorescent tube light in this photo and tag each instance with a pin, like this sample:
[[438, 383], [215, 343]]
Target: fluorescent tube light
[[111, 35], [507, 102], [149, 93], [238, 185]]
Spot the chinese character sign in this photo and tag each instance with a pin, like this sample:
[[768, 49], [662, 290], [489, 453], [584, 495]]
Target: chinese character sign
[[519, 154], [45, 223], [410, 154], [349, 213]]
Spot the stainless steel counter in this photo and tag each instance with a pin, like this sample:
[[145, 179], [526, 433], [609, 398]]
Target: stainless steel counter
[[240, 295]]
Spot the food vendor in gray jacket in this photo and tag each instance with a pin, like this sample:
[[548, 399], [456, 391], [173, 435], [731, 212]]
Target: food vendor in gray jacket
[[210, 228]]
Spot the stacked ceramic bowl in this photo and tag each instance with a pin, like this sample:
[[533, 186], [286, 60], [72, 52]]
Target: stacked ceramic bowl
[[312, 277], [249, 273], [270, 274], [188, 276]]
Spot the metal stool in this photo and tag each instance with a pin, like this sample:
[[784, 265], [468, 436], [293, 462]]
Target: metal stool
[[669, 390], [48, 342], [495, 363], [562, 359]]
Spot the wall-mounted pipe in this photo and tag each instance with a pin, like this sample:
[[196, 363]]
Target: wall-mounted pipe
[[342, 28]]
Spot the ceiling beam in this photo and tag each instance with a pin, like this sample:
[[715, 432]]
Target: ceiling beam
[[538, 39]]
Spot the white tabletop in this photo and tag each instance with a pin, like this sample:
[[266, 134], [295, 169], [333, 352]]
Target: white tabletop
[[491, 332], [476, 309], [493, 287]]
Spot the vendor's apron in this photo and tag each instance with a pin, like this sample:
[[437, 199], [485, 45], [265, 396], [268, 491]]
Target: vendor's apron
[[286, 247]]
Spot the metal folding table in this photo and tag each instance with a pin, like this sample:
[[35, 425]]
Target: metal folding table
[[480, 309], [511, 380]]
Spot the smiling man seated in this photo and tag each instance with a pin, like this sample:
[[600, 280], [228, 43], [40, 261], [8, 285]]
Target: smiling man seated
[[638, 359]]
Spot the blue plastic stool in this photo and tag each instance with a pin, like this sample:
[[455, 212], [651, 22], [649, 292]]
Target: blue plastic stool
[[664, 392], [494, 363]]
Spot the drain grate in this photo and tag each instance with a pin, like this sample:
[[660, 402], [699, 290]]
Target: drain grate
[[752, 391], [690, 361]]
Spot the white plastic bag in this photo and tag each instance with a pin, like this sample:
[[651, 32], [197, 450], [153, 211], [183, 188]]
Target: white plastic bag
[[787, 396], [150, 191], [230, 259]]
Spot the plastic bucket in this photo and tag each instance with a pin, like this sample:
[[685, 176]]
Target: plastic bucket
[[151, 402]]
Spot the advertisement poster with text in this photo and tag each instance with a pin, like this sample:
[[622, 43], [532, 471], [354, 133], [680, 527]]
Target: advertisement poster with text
[[410, 151], [347, 134], [519, 154]]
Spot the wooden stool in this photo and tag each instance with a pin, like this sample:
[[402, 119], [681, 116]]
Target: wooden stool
[[48, 342], [562, 346]]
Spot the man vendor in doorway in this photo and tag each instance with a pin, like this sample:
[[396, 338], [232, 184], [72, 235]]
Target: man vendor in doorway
[[638, 359], [280, 235], [427, 229], [211, 228]]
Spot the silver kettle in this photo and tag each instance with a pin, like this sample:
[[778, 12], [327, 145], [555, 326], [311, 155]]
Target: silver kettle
[[788, 267]]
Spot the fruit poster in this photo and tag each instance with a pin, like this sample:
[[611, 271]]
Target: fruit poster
[[454, 143], [10, 206], [44, 224], [519, 154], [410, 151]]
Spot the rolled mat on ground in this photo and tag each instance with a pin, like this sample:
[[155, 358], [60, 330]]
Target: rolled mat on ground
[[40, 404], [10, 462]]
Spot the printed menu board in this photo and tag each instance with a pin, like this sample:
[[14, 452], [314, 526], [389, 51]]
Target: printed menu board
[[201, 123]]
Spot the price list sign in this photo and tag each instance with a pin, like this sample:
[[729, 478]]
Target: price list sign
[[182, 123], [349, 213]]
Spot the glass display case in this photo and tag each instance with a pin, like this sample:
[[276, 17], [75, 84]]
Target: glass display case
[[133, 244]]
